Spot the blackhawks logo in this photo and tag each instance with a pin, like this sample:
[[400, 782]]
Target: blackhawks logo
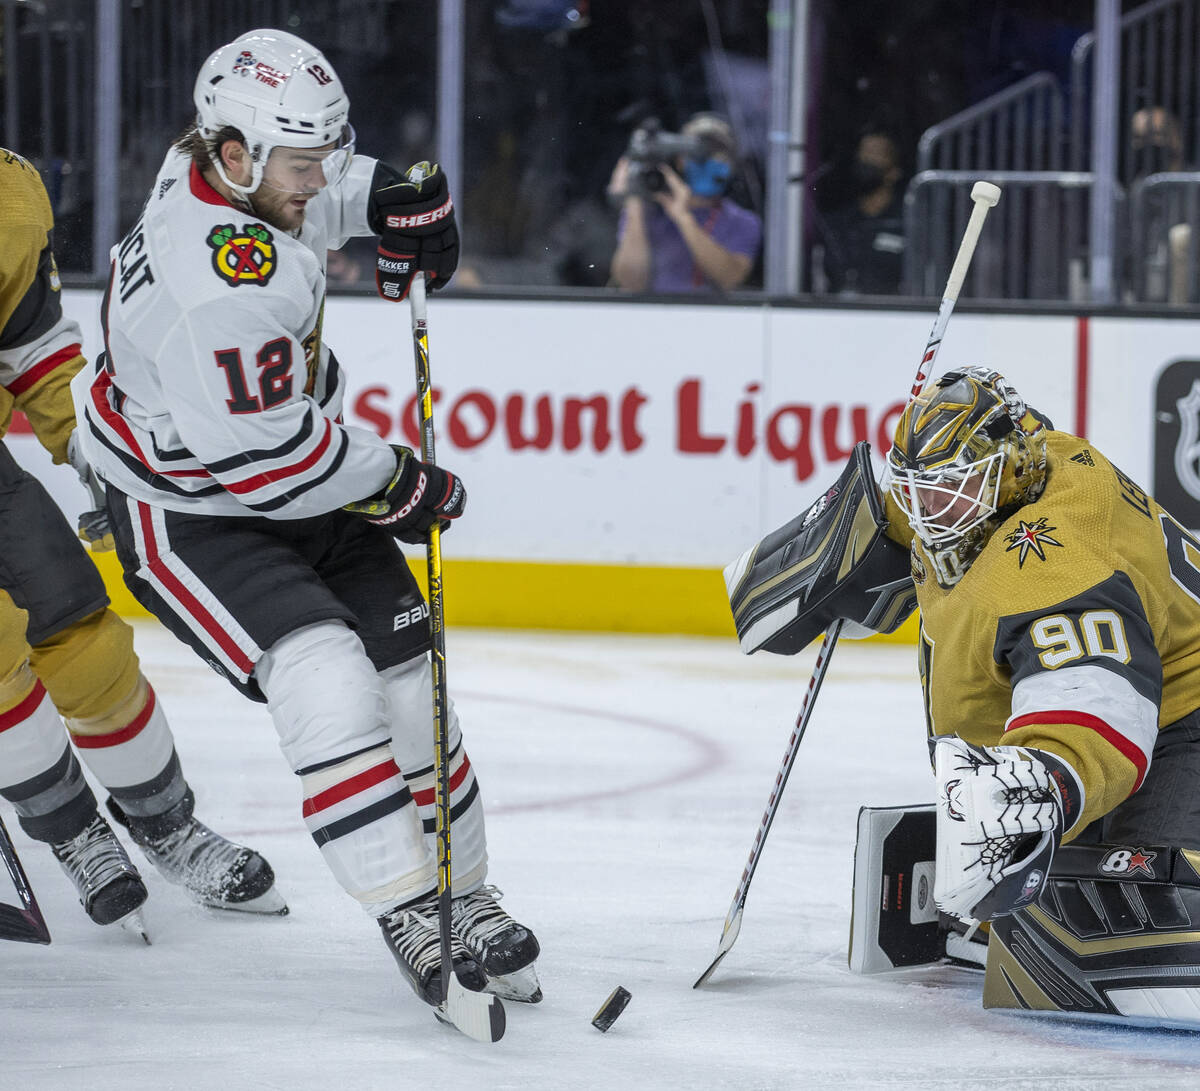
[[242, 257], [1030, 538]]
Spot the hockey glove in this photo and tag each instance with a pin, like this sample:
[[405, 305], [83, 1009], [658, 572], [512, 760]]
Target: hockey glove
[[1000, 817], [415, 224], [94, 526], [418, 493]]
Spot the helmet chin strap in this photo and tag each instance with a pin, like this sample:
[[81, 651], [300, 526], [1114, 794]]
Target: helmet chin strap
[[242, 194]]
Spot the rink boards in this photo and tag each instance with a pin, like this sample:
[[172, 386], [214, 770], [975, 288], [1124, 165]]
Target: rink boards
[[617, 455]]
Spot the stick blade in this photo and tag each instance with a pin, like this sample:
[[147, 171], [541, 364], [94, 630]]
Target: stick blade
[[728, 937], [23, 925], [477, 1015]]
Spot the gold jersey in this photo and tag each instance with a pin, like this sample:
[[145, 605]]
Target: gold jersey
[[39, 347], [1075, 631]]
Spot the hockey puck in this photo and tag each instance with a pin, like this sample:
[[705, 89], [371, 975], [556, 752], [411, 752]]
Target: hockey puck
[[611, 1008]]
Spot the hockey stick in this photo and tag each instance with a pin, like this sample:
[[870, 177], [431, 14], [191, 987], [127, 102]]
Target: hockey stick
[[24, 924], [478, 1015], [984, 195]]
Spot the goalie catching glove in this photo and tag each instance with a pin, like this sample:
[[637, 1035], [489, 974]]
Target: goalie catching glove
[[1000, 817], [414, 219], [418, 494]]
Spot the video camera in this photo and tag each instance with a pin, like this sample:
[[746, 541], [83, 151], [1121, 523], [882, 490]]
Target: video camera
[[650, 147]]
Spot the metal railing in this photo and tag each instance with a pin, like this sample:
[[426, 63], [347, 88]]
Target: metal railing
[[1034, 244], [1160, 44], [1019, 128], [1165, 244]]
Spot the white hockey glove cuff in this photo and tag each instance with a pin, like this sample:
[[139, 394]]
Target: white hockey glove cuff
[[999, 819], [94, 526]]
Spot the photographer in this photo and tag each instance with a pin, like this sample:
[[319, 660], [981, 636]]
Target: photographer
[[678, 231]]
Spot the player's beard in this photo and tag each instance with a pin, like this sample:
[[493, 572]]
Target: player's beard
[[278, 208]]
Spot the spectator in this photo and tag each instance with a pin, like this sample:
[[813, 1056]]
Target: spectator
[[864, 238], [687, 236], [1162, 233]]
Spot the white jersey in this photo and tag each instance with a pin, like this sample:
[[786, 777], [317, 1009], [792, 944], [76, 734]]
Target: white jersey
[[215, 392]]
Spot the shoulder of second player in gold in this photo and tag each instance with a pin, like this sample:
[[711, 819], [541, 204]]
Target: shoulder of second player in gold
[[25, 224]]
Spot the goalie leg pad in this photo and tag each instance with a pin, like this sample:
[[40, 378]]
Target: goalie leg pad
[[894, 922], [1114, 935]]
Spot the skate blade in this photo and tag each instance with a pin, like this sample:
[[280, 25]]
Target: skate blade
[[135, 924], [477, 1015], [269, 903], [521, 986]]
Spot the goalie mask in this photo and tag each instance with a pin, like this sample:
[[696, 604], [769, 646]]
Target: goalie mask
[[288, 103], [967, 454]]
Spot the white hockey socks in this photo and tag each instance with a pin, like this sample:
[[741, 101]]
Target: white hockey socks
[[330, 709], [410, 698]]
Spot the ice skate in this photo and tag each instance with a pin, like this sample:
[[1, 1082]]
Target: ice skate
[[411, 934], [109, 886], [215, 871], [505, 949]]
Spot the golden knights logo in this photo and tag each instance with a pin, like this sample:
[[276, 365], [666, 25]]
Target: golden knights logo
[[242, 257], [1030, 538]]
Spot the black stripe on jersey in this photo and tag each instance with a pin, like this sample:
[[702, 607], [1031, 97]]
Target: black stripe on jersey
[[299, 490], [324, 834], [38, 309], [1015, 646], [429, 825], [332, 376], [335, 761], [139, 469], [246, 459]]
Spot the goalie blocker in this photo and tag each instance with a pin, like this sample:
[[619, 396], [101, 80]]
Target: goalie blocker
[[831, 562], [1115, 933]]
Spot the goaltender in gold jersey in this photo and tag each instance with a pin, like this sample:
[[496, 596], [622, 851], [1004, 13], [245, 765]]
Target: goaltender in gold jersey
[[1060, 662]]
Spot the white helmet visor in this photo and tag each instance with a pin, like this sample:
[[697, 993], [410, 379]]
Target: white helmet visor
[[307, 171]]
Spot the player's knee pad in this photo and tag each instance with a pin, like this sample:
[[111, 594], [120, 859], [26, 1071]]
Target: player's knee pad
[[1113, 933], [362, 817], [410, 701], [409, 688], [324, 695], [91, 672]]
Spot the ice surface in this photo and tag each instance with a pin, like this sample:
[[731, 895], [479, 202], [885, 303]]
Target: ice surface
[[625, 778]]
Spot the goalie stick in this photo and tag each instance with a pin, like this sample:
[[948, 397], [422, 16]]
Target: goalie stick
[[24, 923], [478, 1015], [984, 195]]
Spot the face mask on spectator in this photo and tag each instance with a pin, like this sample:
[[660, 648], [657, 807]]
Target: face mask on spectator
[[707, 178], [867, 177]]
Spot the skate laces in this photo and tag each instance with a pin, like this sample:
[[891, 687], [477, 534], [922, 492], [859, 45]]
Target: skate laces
[[416, 938], [479, 914], [94, 858], [195, 854]]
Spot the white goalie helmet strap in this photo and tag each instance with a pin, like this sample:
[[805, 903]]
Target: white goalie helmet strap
[[275, 88]]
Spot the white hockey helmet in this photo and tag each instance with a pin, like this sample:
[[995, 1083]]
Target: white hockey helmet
[[279, 92]]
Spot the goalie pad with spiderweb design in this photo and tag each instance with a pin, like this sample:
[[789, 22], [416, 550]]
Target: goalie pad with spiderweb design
[[834, 561]]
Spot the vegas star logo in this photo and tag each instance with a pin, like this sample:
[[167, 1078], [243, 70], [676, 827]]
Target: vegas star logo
[[1030, 538]]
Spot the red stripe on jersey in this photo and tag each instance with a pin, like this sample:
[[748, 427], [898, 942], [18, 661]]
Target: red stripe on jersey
[[377, 774], [189, 601], [427, 797], [115, 738], [43, 368], [100, 388], [201, 189], [252, 484], [22, 711], [1105, 730]]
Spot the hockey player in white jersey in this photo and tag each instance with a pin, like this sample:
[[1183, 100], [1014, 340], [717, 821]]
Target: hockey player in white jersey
[[258, 526]]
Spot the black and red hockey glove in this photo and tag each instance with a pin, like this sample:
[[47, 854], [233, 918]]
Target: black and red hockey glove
[[418, 493], [415, 224]]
